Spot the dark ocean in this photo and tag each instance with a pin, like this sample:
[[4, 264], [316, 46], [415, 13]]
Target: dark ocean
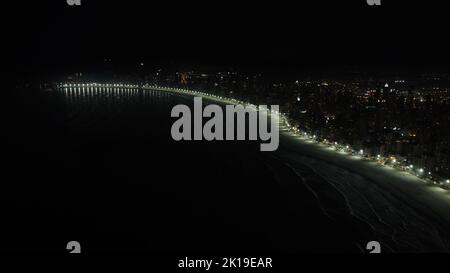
[[100, 167]]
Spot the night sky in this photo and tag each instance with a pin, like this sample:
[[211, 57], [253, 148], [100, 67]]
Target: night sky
[[48, 36]]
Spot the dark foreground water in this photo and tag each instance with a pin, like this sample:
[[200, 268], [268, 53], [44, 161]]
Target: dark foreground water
[[101, 168]]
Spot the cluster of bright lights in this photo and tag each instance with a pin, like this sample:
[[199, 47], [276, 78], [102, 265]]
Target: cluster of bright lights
[[107, 85], [419, 172]]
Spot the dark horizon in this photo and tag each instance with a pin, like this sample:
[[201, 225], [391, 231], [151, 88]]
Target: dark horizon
[[402, 35]]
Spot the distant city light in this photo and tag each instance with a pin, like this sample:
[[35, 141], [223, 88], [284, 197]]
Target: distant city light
[[418, 172]]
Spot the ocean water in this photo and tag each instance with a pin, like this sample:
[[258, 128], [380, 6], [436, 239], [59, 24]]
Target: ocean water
[[100, 167]]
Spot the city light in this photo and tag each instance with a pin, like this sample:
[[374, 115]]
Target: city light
[[283, 120]]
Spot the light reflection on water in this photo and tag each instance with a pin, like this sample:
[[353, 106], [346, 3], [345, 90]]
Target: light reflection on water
[[102, 109], [114, 95]]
